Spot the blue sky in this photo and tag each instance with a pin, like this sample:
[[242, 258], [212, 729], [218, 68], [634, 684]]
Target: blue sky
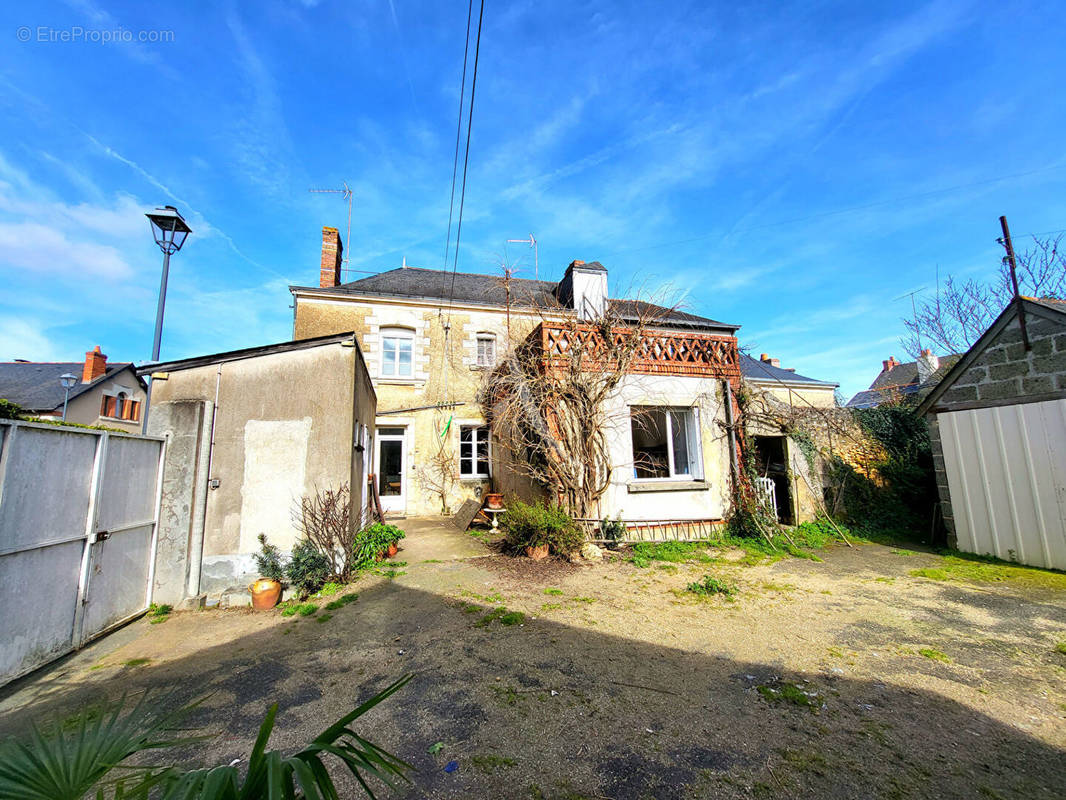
[[791, 167]]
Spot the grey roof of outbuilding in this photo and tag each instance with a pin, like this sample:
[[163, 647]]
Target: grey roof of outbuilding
[[35, 386], [757, 370], [467, 287]]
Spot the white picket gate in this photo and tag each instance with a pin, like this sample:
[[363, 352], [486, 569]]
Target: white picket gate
[[79, 512]]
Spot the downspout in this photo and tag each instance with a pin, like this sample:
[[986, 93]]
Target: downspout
[[199, 521], [734, 462]]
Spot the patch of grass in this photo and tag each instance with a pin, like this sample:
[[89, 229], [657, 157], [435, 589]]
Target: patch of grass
[[807, 761], [324, 618], [790, 693], [157, 614], [507, 695], [389, 572], [553, 591], [491, 617], [835, 652], [643, 553], [899, 551], [1060, 647], [583, 599], [551, 606], [933, 654], [884, 579], [491, 762], [670, 568], [342, 601], [969, 568], [493, 599], [306, 609], [772, 586], [432, 561], [328, 589], [512, 618], [137, 662], [709, 586]]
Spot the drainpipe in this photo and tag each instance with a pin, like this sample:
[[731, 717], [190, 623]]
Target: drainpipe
[[203, 477], [733, 461]]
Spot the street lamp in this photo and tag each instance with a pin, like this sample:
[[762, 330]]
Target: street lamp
[[170, 231], [67, 381]]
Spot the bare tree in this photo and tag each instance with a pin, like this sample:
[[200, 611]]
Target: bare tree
[[961, 310], [323, 517]]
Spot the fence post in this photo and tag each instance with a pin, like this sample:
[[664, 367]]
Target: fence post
[[91, 516], [155, 523]]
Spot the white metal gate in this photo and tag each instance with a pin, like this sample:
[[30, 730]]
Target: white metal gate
[[1006, 471], [78, 518]]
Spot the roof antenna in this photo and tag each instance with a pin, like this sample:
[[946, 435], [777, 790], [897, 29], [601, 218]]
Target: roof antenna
[[914, 311], [536, 259], [346, 193]]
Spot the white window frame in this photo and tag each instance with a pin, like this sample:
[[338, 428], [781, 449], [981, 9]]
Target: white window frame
[[401, 336], [471, 462], [695, 442], [485, 337]]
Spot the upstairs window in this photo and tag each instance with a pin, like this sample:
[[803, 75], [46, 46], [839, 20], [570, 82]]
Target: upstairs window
[[474, 451], [486, 349], [120, 406], [666, 443], [397, 353]]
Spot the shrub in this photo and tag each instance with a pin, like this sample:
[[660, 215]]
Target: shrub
[[308, 568], [9, 410], [612, 530], [371, 542], [535, 525], [324, 519], [268, 560], [710, 585]]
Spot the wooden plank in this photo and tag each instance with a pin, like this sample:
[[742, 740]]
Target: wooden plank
[[465, 515]]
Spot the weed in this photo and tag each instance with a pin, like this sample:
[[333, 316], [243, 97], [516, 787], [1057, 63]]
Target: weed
[[1060, 647], [157, 614], [551, 606], [137, 662], [324, 618], [583, 599], [710, 586], [552, 591], [643, 553], [512, 618], [883, 579], [494, 598], [342, 601], [491, 762], [493, 615], [389, 572], [785, 692], [328, 589], [307, 609], [969, 568], [933, 654], [835, 652], [506, 695]]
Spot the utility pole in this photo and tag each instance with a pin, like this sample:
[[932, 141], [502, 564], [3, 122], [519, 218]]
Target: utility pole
[[1009, 246]]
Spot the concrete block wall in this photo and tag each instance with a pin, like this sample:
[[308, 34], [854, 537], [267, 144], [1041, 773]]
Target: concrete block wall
[[941, 475]]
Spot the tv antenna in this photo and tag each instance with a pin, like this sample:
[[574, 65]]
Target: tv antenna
[[346, 193], [533, 244], [914, 311]]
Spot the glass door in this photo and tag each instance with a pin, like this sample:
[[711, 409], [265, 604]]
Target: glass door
[[390, 469]]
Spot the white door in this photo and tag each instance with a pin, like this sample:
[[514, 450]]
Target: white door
[[389, 467]]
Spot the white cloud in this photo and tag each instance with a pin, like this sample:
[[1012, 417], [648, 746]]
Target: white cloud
[[48, 251], [25, 338]]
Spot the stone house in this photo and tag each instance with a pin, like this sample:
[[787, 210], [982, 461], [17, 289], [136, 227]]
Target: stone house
[[431, 338], [997, 425], [110, 395], [901, 382]]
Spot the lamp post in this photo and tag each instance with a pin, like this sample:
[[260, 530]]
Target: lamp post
[[170, 231], [67, 381]]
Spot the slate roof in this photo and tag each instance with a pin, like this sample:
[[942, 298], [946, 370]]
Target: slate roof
[[468, 287], [35, 386], [757, 370], [901, 382]]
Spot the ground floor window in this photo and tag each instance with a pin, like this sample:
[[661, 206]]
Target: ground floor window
[[666, 443], [474, 451]]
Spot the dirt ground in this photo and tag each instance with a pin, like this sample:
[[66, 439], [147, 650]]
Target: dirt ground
[[846, 678]]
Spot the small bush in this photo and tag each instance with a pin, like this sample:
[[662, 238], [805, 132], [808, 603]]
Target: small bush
[[9, 410], [268, 560], [308, 569], [536, 525], [709, 586]]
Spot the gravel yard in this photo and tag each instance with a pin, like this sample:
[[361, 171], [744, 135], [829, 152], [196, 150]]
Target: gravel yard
[[877, 672]]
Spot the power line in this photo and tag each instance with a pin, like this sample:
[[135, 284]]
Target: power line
[[458, 132]]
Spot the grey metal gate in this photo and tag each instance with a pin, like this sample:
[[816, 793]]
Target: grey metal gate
[[78, 518]]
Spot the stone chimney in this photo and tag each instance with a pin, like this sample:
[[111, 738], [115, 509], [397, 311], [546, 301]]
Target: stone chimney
[[927, 365], [332, 249], [95, 365], [584, 289], [889, 363], [773, 362]]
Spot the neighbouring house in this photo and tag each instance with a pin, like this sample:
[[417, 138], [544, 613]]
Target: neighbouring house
[[790, 484], [249, 433], [904, 381], [111, 395], [432, 337], [997, 423]]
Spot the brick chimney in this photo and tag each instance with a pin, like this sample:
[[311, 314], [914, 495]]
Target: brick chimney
[[330, 274], [773, 362], [95, 365], [927, 365], [584, 289], [889, 363]]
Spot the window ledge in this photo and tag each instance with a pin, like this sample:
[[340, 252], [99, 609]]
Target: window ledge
[[636, 487], [400, 381], [473, 478]]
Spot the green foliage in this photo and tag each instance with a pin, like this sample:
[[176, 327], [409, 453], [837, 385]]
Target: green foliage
[[553, 591], [612, 530], [68, 762], [292, 608], [157, 614], [268, 560], [536, 525], [709, 585], [9, 410], [329, 589], [643, 553], [342, 601], [971, 568], [503, 616], [1060, 647], [308, 569], [790, 693], [934, 654], [372, 541]]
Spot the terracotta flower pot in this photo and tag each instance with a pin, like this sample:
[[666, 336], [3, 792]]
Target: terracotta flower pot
[[393, 549], [265, 594], [494, 500], [538, 552]]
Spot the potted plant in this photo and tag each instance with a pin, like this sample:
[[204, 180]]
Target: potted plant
[[494, 500], [266, 591], [376, 542]]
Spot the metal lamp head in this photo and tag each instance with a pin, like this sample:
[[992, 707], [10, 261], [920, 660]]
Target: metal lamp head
[[169, 228], [67, 380]]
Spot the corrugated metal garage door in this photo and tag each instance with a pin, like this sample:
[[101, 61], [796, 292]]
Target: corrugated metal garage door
[[1007, 474]]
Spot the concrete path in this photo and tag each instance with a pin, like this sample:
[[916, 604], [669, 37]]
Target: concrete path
[[436, 539]]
